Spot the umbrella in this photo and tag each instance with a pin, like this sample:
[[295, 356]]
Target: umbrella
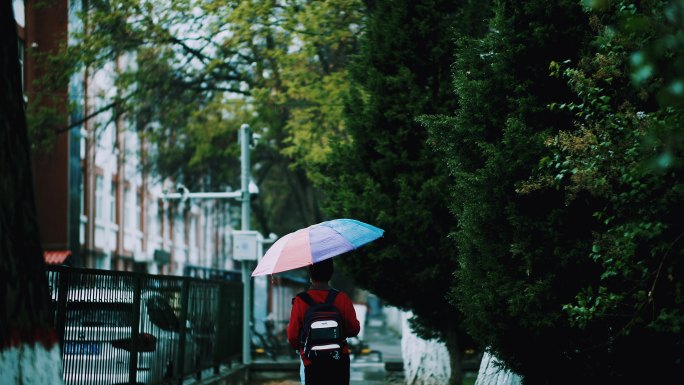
[[316, 243]]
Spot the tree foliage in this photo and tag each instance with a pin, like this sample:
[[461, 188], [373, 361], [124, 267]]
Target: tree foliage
[[387, 176], [517, 253], [565, 184], [625, 150], [186, 74]]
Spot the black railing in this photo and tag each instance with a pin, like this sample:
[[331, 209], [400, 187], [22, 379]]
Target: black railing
[[212, 273], [119, 327]]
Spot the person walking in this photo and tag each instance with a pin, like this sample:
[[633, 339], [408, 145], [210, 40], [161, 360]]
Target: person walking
[[333, 368]]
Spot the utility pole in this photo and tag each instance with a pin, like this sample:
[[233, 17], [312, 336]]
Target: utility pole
[[244, 195], [246, 281]]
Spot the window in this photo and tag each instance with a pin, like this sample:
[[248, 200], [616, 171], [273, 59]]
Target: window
[[151, 225], [179, 229], [162, 225], [82, 192], [127, 207], [115, 135], [99, 191], [138, 210], [191, 230], [112, 202], [82, 216]]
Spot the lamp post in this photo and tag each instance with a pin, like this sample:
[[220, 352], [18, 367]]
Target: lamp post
[[246, 189]]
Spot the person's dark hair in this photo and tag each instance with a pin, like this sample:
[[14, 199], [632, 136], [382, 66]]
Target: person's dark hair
[[322, 271]]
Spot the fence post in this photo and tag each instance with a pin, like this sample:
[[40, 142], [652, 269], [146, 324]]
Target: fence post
[[222, 337], [60, 316], [185, 291], [135, 327]]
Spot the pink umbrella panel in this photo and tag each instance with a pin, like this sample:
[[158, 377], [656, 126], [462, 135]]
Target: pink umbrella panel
[[316, 243]]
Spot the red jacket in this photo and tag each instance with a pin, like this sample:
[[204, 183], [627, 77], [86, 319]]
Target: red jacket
[[299, 308]]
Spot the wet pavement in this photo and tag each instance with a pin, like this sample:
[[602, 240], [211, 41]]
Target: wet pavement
[[382, 365]]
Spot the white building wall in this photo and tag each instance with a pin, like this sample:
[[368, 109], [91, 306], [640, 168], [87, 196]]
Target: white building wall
[[202, 238]]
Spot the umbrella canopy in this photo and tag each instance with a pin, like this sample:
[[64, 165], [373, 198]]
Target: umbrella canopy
[[316, 243]]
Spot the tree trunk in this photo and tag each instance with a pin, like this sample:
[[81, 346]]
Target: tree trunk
[[455, 358], [29, 352], [491, 374], [426, 362]]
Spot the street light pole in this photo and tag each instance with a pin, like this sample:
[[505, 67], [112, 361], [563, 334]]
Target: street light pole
[[244, 195], [245, 139]]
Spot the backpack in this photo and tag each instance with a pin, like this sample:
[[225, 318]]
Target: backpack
[[322, 335]]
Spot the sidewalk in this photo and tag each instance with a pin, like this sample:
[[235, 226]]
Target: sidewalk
[[388, 342], [367, 369], [370, 369]]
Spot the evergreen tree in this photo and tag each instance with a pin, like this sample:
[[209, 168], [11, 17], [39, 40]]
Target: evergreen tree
[[517, 253], [571, 267], [625, 150], [387, 176]]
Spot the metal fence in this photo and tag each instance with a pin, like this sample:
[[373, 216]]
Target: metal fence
[[123, 328], [211, 273]]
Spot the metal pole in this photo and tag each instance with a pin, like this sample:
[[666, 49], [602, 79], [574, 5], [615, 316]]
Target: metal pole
[[244, 163], [246, 282], [204, 195], [135, 329]]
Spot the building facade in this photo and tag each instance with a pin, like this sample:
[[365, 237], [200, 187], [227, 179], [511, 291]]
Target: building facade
[[97, 207], [95, 202]]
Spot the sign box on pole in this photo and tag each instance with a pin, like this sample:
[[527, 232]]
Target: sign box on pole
[[245, 245]]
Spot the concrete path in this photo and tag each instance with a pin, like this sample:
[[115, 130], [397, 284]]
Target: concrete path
[[382, 366]]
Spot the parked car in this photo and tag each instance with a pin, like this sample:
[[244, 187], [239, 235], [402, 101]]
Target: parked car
[[98, 338]]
